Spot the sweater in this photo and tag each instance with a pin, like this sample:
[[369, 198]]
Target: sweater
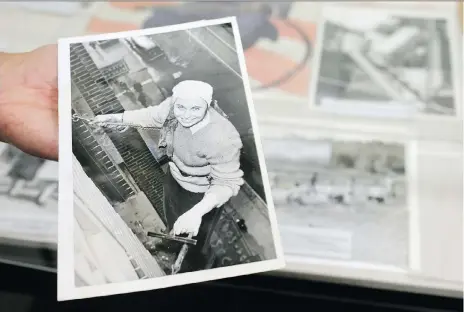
[[206, 156]]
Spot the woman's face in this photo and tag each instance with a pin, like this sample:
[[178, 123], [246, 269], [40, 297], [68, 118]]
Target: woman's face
[[190, 112]]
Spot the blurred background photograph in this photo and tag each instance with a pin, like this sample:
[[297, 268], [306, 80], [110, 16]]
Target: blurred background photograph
[[29, 209], [278, 37], [340, 199], [381, 63], [277, 33]]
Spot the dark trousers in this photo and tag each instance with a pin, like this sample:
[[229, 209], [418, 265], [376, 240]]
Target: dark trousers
[[177, 201]]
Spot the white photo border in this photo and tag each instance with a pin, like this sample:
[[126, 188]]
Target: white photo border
[[312, 264], [66, 286], [455, 36]]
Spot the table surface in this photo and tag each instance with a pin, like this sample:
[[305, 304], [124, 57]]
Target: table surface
[[247, 293]]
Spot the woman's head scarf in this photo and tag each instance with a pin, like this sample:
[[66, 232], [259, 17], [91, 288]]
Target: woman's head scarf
[[193, 89]]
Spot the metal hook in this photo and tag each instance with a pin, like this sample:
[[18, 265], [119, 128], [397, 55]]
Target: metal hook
[[75, 118]]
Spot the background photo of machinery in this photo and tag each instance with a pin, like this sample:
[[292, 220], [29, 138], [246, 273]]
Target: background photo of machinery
[[29, 202], [356, 187], [378, 58], [115, 75]]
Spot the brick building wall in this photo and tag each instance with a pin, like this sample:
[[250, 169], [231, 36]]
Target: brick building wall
[[102, 169], [100, 97]]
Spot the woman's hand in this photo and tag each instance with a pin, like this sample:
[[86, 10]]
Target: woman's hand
[[103, 120], [189, 222], [29, 101]]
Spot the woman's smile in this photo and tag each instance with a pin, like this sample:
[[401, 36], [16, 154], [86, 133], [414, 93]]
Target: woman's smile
[[188, 122], [190, 112]]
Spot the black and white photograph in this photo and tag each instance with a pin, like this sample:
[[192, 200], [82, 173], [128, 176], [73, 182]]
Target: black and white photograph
[[379, 62], [29, 209], [161, 162], [340, 199]]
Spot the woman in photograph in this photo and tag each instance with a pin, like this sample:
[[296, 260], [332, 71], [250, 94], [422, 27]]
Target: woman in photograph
[[204, 168]]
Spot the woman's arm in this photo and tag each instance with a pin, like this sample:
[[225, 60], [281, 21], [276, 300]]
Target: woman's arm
[[153, 116], [226, 175]]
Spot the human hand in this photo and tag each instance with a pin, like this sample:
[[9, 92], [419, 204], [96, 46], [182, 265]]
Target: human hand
[[29, 101], [189, 222], [103, 120]]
